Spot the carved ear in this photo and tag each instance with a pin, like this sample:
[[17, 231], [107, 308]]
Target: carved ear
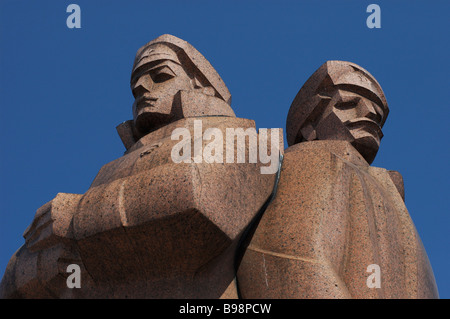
[[196, 83], [207, 90], [308, 132]]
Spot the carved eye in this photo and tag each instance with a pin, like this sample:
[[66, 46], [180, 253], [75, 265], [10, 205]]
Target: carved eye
[[347, 104], [162, 74]]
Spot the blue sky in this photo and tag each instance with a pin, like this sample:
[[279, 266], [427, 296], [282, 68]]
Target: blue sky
[[63, 91]]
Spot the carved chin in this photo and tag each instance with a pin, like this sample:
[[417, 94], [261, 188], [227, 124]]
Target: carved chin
[[149, 117], [147, 121], [367, 146], [364, 138]]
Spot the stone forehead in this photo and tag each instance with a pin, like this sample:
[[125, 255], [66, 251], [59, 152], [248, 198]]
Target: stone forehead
[[350, 74], [154, 52], [331, 75], [180, 47]]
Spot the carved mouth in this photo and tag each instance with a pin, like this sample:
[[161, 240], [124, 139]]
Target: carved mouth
[[145, 101], [366, 125]]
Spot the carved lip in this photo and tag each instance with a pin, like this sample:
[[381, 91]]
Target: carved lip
[[145, 101], [366, 125]]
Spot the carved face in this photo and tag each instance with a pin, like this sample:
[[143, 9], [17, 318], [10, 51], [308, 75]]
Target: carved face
[[340, 101], [355, 118], [155, 81]]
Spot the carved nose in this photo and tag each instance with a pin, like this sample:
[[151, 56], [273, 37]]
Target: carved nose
[[142, 86], [367, 110]]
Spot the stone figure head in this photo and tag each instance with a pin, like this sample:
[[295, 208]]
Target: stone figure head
[[171, 80], [340, 101]]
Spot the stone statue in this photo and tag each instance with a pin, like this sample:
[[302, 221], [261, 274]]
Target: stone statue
[[148, 227], [152, 227], [335, 220]]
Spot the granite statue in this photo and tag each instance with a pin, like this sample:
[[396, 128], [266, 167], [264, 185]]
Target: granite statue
[[335, 217], [149, 227]]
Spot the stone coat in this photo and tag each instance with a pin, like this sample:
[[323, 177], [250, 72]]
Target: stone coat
[[332, 217]]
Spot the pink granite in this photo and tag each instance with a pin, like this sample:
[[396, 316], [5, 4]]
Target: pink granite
[[334, 215]]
